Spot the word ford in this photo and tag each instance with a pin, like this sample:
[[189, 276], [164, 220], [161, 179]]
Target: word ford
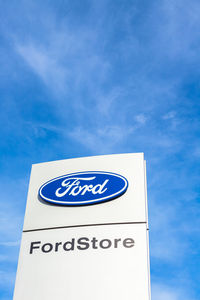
[[83, 188], [73, 187]]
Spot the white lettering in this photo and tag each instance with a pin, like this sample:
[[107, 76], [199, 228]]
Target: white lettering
[[72, 186], [98, 189]]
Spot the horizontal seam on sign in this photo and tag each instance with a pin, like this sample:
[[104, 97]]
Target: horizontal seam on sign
[[85, 225]]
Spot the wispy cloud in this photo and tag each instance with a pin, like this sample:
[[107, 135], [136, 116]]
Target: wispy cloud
[[163, 292], [141, 119], [44, 65], [169, 115], [166, 234], [10, 244], [6, 279], [104, 139], [65, 59]]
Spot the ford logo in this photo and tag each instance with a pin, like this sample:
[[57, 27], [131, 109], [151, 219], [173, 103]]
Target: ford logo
[[83, 188]]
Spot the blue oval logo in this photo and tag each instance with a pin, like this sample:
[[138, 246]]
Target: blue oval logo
[[83, 188]]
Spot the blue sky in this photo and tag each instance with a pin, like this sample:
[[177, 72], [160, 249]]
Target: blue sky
[[81, 78]]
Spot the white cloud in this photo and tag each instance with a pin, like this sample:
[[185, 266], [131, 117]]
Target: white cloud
[[141, 119], [64, 58], [166, 231], [6, 279], [178, 17], [10, 244], [11, 212], [163, 292], [196, 152], [44, 65], [102, 139], [169, 115], [105, 103], [3, 258]]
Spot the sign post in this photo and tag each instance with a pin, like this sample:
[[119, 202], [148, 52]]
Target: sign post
[[85, 232]]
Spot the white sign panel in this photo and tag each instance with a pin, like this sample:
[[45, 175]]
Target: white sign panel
[[130, 207], [85, 232]]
